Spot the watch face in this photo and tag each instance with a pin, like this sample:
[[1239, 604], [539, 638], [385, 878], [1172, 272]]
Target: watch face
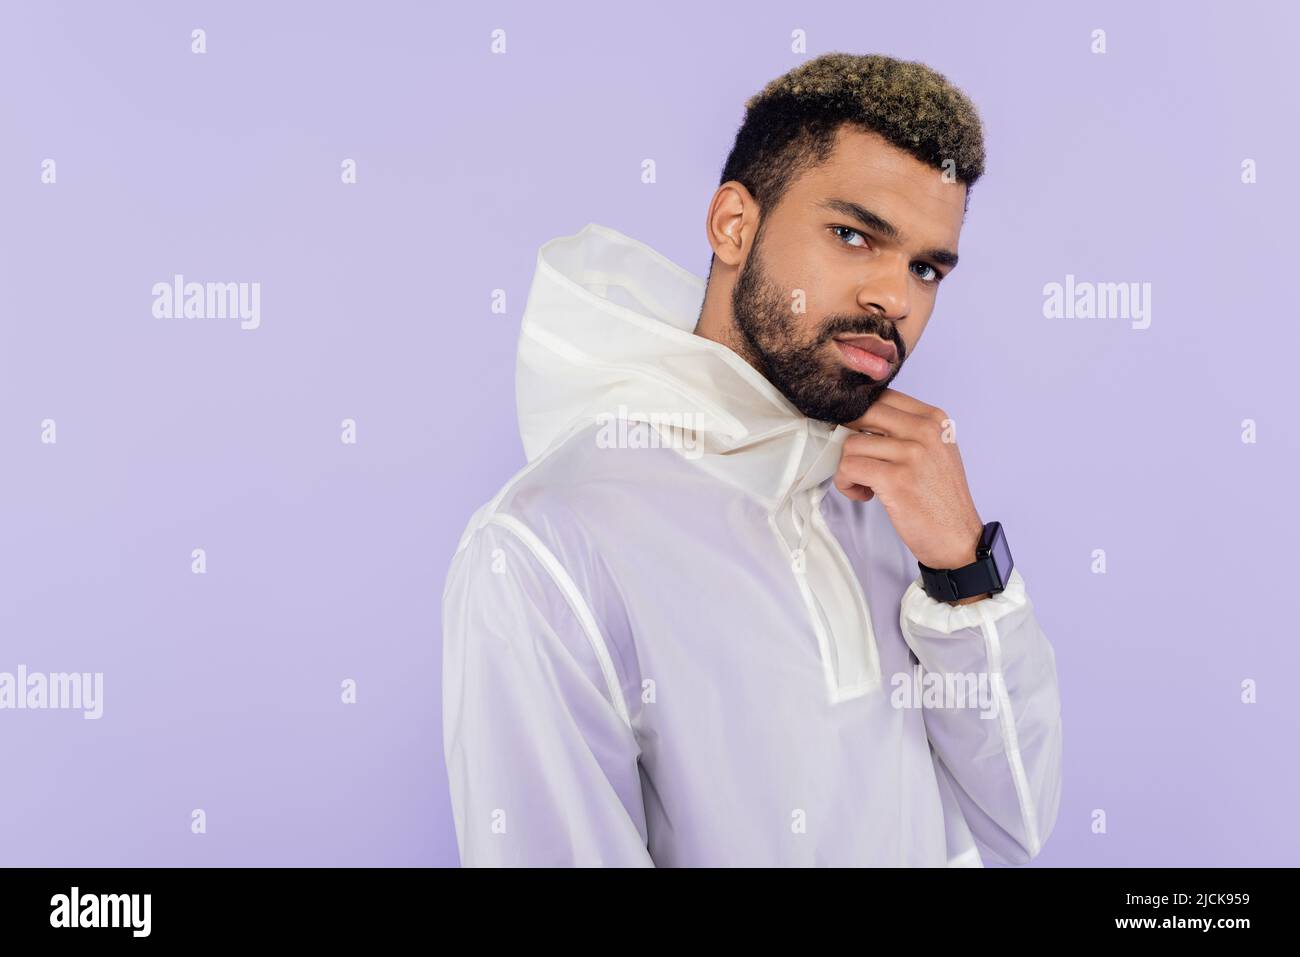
[[1001, 554]]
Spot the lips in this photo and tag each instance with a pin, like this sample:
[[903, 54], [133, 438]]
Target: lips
[[869, 355], [873, 344]]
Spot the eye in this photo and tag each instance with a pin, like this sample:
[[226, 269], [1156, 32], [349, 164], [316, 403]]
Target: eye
[[928, 274], [854, 232], [932, 277]]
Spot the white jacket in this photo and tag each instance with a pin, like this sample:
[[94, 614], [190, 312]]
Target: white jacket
[[669, 640]]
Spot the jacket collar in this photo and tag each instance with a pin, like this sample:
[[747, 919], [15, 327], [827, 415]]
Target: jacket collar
[[608, 332]]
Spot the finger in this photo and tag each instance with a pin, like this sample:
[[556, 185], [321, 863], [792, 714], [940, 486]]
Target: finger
[[861, 472], [859, 493], [904, 401], [891, 420], [883, 448]]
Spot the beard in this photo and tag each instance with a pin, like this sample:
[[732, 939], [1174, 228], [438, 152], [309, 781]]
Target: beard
[[806, 371]]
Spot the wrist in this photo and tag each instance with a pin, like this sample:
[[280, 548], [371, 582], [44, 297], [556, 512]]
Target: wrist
[[963, 554], [966, 577], [971, 600]]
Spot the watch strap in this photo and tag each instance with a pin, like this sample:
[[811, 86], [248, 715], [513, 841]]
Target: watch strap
[[984, 575]]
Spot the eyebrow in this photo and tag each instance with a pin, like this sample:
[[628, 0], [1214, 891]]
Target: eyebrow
[[944, 257]]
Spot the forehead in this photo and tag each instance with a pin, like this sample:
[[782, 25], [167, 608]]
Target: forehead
[[867, 169]]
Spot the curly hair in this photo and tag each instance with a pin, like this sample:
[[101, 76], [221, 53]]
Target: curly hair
[[791, 124]]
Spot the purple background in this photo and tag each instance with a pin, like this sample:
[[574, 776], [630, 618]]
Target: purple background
[[326, 561]]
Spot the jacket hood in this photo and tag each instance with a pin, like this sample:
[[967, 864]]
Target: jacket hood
[[608, 335]]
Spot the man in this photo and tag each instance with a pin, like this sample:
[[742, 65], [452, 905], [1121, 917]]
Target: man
[[712, 621]]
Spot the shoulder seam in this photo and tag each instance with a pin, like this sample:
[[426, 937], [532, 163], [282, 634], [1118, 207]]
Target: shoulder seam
[[488, 510], [575, 601]]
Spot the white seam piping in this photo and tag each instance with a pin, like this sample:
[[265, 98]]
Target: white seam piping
[[489, 508], [1008, 722], [819, 630], [576, 603], [875, 676], [791, 472], [837, 692]]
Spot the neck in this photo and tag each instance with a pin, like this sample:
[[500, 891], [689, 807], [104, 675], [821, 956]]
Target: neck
[[716, 321]]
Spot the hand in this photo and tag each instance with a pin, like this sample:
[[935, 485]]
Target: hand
[[917, 476]]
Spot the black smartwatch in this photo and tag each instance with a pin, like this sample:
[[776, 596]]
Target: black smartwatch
[[988, 573]]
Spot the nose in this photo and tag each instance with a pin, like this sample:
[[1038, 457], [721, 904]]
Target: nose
[[887, 289]]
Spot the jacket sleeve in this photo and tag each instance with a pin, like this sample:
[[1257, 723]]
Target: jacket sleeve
[[1004, 760], [542, 761]]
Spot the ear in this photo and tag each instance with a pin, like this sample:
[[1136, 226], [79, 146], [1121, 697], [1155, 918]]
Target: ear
[[731, 222]]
